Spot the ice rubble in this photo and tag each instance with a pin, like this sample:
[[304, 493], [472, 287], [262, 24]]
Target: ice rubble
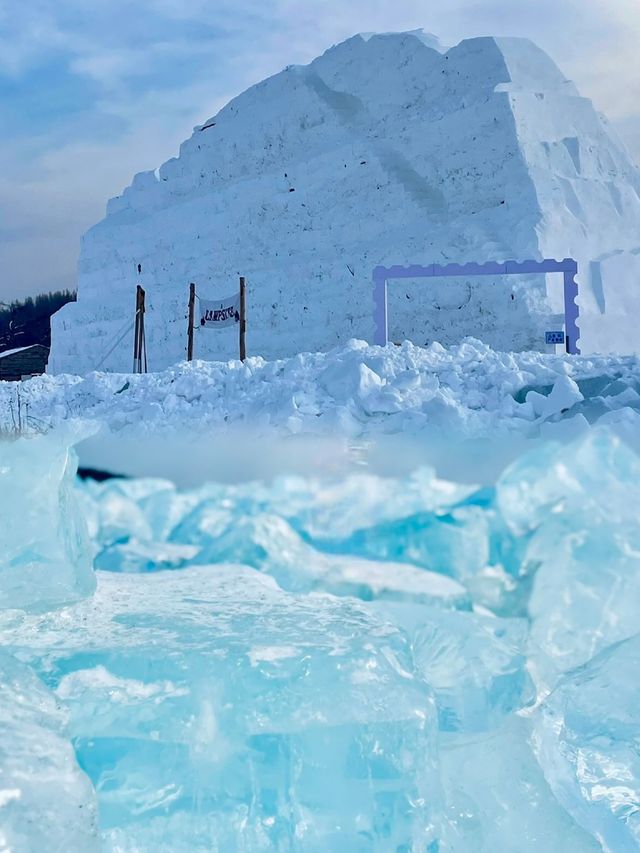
[[384, 150], [355, 391], [311, 674], [519, 553]]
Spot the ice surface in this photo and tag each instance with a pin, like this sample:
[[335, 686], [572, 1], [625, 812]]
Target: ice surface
[[209, 703], [45, 555], [587, 735], [475, 663], [46, 802], [497, 799]]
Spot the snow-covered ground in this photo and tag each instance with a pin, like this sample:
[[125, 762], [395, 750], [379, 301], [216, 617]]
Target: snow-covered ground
[[356, 391], [466, 410], [385, 150]]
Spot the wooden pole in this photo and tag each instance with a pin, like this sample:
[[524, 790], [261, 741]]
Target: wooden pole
[[138, 337], [243, 320], [192, 310], [136, 334], [142, 348]]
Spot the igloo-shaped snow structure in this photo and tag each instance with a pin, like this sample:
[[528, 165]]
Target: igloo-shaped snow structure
[[384, 150]]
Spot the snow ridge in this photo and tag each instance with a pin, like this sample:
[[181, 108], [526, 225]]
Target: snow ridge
[[356, 391]]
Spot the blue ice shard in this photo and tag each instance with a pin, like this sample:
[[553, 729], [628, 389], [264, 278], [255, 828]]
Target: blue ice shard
[[497, 800], [476, 665], [46, 801], [587, 735], [45, 558], [576, 507]]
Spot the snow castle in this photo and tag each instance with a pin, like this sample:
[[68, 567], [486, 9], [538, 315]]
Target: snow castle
[[387, 149]]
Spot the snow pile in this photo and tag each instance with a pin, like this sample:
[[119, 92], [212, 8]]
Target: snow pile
[[385, 150], [273, 665], [357, 391]]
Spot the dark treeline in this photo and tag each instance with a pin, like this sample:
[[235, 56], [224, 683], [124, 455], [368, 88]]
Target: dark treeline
[[28, 322]]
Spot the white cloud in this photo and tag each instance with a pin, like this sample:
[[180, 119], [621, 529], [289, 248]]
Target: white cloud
[[47, 203], [129, 49]]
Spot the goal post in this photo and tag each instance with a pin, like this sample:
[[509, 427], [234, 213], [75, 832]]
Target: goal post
[[568, 267]]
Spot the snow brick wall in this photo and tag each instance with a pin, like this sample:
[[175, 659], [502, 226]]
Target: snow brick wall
[[386, 149]]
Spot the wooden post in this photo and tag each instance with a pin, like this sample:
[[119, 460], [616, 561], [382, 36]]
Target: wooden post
[[192, 310], [138, 336], [142, 349], [243, 320]]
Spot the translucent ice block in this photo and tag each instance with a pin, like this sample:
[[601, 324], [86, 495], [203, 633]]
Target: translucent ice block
[[476, 665], [577, 507], [45, 553], [454, 543], [46, 801], [586, 589], [211, 703], [587, 736], [497, 799], [598, 472]]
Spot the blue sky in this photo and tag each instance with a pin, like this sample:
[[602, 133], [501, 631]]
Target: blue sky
[[92, 91]]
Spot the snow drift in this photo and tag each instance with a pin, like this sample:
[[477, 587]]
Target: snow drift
[[386, 149]]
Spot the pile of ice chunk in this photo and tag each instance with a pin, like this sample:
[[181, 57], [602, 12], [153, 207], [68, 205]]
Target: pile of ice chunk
[[341, 664]]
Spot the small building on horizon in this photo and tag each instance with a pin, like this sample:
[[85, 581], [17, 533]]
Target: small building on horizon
[[24, 362]]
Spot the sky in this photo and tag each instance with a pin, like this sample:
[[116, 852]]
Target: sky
[[93, 91]]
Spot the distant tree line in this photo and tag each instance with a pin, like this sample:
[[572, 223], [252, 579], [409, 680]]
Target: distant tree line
[[28, 322]]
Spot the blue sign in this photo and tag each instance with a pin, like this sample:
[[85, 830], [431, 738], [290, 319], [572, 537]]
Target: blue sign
[[554, 337]]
